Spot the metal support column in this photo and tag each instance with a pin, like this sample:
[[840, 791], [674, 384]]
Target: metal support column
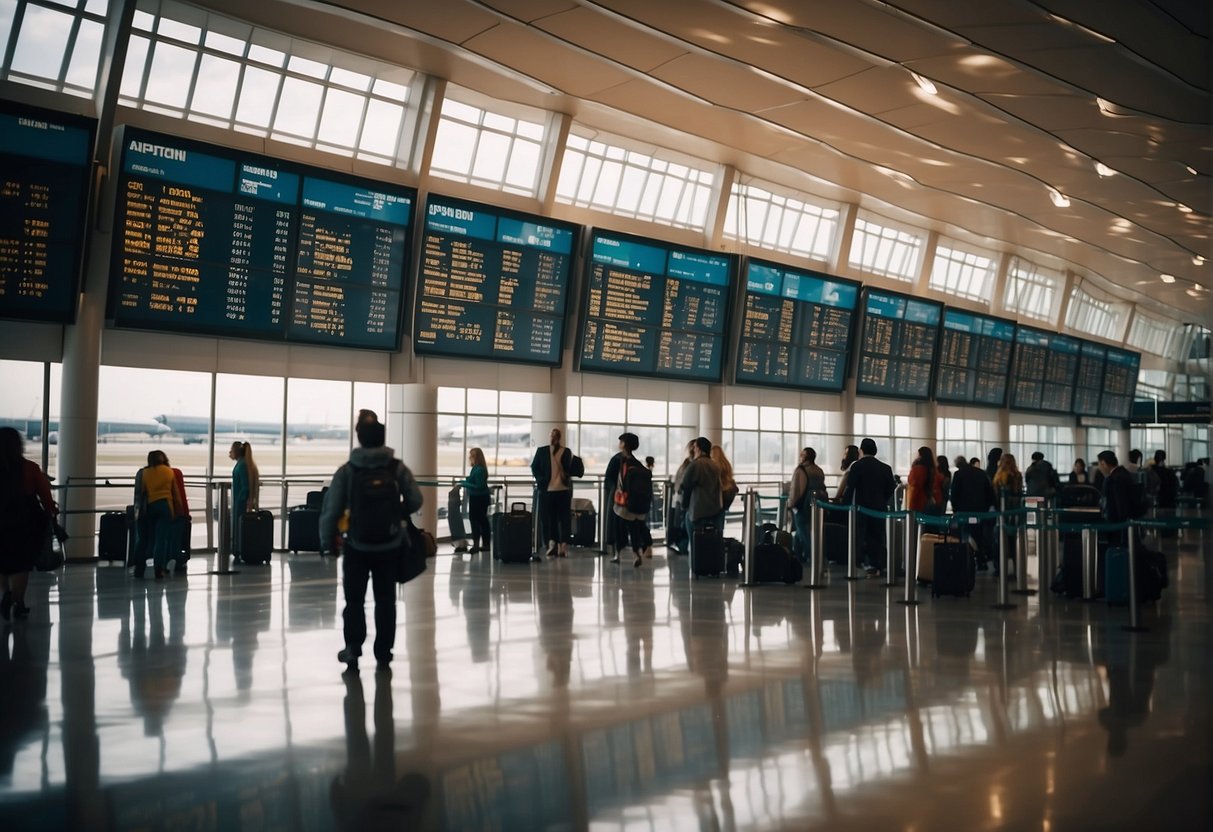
[[890, 535], [1090, 556], [816, 545], [911, 562], [749, 527], [853, 543], [1003, 602], [1021, 553], [223, 549]]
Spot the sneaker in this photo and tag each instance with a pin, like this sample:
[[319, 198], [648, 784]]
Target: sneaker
[[475, 550], [349, 658], [615, 559]]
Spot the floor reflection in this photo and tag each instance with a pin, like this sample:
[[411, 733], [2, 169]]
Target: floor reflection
[[580, 694]]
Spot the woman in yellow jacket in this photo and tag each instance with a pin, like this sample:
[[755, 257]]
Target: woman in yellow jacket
[[159, 487]]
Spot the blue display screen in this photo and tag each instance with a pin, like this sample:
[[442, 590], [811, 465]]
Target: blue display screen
[[213, 241], [974, 359], [655, 309], [898, 345], [493, 283], [46, 171], [1044, 371]]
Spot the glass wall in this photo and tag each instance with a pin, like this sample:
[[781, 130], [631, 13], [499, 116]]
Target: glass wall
[[1098, 440], [499, 423], [1056, 442], [24, 394], [764, 443], [249, 409], [965, 437]]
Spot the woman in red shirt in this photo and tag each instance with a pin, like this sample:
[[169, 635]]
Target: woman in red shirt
[[924, 487], [26, 507]]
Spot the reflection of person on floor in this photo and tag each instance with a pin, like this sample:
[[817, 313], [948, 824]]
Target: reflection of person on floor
[[470, 579], [368, 796], [639, 612], [555, 599], [241, 613], [153, 665], [23, 659], [1130, 665]]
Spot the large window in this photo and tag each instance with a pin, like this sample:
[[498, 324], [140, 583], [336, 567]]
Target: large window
[[1089, 314], [1098, 440], [897, 438], [760, 214], [499, 423], [54, 44], [879, 247], [1152, 335], [24, 394], [612, 174], [664, 429], [1031, 290], [187, 62], [249, 409], [1056, 442], [489, 143], [965, 437], [963, 272]]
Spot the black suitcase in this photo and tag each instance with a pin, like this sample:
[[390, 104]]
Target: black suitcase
[[1078, 496], [315, 499], [585, 523], [776, 564], [112, 536], [303, 529], [707, 552], [180, 552], [734, 556], [513, 534], [256, 536], [834, 542], [1068, 580], [454, 516], [955, 570]]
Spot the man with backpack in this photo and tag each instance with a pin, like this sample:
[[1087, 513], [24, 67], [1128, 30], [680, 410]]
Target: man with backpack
[[1041, 478], [808, 481], [380, 493], [632, 498]]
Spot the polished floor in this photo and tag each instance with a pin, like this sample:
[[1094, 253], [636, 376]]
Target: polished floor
[[576, 694]]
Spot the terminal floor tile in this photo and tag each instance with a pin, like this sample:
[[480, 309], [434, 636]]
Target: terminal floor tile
[[579, 694]]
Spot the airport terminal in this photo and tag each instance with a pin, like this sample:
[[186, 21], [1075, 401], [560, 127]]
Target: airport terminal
[[229, 228]]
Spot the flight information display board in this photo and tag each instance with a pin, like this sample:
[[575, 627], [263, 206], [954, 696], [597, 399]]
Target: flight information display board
[[45, 170], [974, 359], [655, 309], [1044, 371], [492, 284], [795, 328], [897, 346], [213, 241], [1119, 383], [1088, 382]]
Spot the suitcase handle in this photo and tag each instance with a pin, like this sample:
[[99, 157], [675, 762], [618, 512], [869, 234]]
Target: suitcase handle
[[517, 507]]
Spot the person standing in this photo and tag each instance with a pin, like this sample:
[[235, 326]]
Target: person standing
[[630, 525], [1041, 479], [945, 476], [552, 469], [992, 460], [676, 527], [610, 482], [1121, 502], [924, 486], [701, 490], [158, 497], [1008, 486], [850, 455], [728, 485], [26, 510], [246, 486], [1168, 482], [477, 484], [870, 485], [1078, 475], [380, 493], [808, 482], [973, 493]]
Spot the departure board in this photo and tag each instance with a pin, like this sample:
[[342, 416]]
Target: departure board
[[214, 241], [974, 359], [1088, 382], [1119, 383], [795, 328], [45, 170], [655, 309], [1045, 367], [897, 347], [492, 284]]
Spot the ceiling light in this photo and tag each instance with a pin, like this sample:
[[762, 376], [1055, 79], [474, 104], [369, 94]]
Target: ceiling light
[[1103, 170], [924, 83], [1197, 260], [1183, 209], [1105, 107], [1166, 278], [1192, 170], [1192, 293], [1059, 199]]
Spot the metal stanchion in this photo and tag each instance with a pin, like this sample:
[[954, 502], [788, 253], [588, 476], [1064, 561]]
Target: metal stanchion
[[1134, 626], [911, 562], [1021, 555], [890, 535], [1003, 602], [1090, 554], [223, 551], [749, 526], [816, 545], [852, 543]]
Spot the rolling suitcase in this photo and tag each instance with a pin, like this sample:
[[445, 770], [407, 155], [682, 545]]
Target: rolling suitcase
[[256, 536], [734, 551], [112, 536], [707, 551], [315, 499], [183, 535], [775, 564], [834, 542], [303, 529], [1116, 575], [454, 518], [513, 534], [926, 553], [585, 523], [955, 570]]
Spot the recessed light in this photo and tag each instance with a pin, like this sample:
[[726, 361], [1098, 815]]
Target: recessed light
[[1059, 199], [1103, 170], [925, 84], [1105, 106], [1192, 293], [1197, 260], [1192, 170], [1183, 209], [1167, 278]]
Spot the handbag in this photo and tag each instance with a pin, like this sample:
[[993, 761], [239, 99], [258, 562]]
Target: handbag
[[49, 558], [411, 562]]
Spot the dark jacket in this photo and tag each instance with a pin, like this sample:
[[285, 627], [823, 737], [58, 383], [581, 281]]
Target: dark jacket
[[541, 466], [972, 490], [701, 494], [870, 484], [1121, 496], [337, 497], [1041, 480]]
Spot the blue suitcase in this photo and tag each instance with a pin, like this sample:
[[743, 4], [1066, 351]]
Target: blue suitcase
[[1116, 576]]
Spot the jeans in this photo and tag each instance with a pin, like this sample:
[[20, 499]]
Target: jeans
[[478, 519], [381, 568], [801, 540], [557, 515], [160, 523]]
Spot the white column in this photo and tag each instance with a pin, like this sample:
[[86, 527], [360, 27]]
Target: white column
[[412, 429], [711, 415], [551, 410]]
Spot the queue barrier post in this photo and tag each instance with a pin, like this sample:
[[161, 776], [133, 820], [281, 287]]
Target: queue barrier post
[[1003, 602], [223, 548], [853, 542], [890, 535], [1021, 550], [816, 545], [911, 562], [748, 530]]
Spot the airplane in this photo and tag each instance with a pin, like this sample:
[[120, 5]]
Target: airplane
[[487, 437], [31, 429], [196, 429]]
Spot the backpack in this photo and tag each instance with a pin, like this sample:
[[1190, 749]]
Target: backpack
[[635, 488], [376, 515]]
